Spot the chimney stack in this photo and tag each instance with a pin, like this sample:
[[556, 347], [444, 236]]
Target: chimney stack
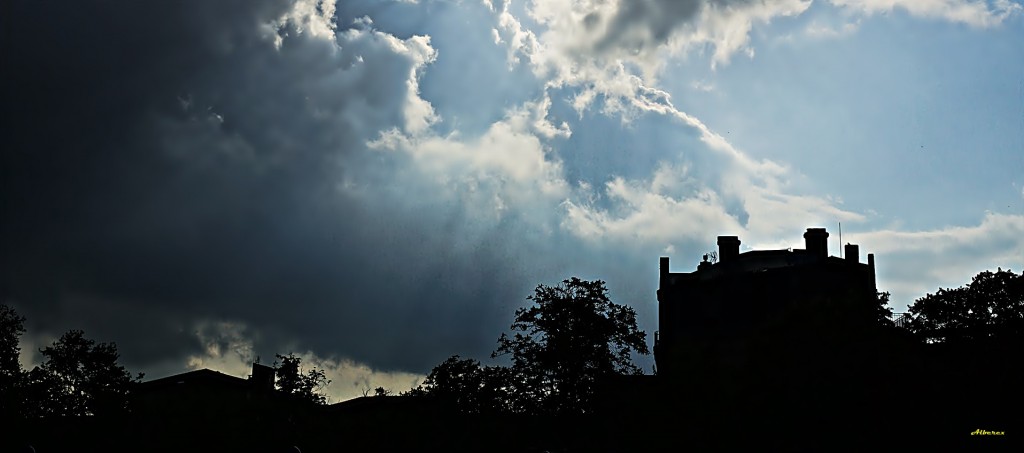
[[852, 253], [663, 271], [728, 248], [816, 240], [871, 264], [262, 377]]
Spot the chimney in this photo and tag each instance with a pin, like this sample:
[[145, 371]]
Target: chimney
[[663, 271], [728, 248], [852, 253], [817, 241], [871, 264], [262, 377]]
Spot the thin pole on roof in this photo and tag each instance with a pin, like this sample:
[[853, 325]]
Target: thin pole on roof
[[841, 239]]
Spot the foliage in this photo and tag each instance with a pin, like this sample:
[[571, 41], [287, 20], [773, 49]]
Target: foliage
[[562, 346], [992, 305], [883, 312], [464, 385], [570, 338], [77, 377], [80, 377], [291, 380], [11, 375], [11, 328]]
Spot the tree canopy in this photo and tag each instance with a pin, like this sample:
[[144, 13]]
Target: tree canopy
[[11, 374], [883, 312], [11, 328], [571, 337], [991, 305], [464, 385], [561, 347], [306, 386], [77, 377], [80, 377]]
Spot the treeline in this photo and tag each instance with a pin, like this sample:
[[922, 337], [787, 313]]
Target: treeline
[[80, 377], [562, 347], [77, 377], [989, 308]]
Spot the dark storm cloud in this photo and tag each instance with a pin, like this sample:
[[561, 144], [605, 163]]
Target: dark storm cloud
[[637, 25], [166, 164], [637, 28]]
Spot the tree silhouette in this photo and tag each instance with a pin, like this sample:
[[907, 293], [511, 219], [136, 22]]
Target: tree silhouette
[[464, 385], [12, 377], [992, 305], [883, 312], [80, 377], [570, 338], [291, 380], [11, 328]]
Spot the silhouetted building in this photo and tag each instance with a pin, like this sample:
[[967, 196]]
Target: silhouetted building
[[207, 393], [229, 413], [718, 309]]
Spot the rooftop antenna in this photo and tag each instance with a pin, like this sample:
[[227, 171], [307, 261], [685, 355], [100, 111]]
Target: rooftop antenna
[[841, 239]]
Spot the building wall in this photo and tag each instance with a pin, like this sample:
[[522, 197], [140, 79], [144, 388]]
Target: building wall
[[716, 311]]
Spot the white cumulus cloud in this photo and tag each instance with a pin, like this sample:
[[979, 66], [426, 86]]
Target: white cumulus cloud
[[976, 13]]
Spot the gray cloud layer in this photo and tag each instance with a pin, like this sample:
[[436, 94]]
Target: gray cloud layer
[[166, 164]]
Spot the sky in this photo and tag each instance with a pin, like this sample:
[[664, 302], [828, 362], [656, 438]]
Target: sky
[[378, 185]]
